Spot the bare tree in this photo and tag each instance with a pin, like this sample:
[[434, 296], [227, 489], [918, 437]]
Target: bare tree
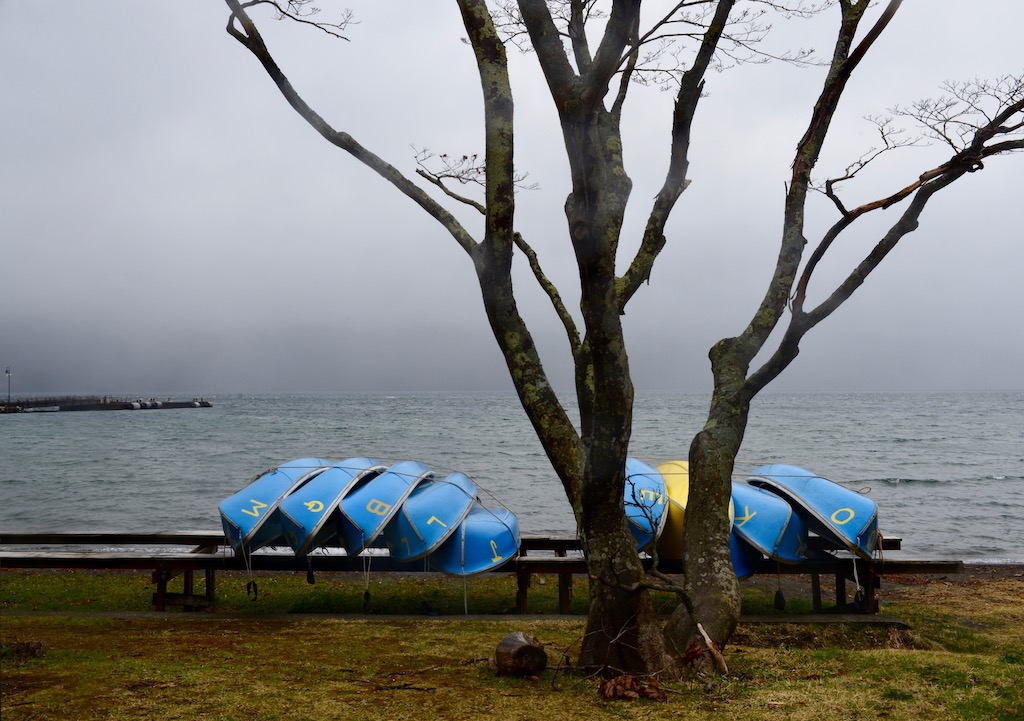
[[589, 86]]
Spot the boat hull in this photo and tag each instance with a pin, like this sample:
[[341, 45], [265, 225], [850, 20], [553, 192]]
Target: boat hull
[[646, 502], [677, 485], [431, 513], [830, 510], [767, 522], [746, 560], [251, 518], [368, 508], [309, 514], [486, 539]]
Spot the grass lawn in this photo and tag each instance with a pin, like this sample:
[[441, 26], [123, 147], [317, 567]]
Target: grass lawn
[[301, 652]]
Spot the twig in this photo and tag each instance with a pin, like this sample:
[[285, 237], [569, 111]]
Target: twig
[[420, 670], [402, 687], [715, 653]]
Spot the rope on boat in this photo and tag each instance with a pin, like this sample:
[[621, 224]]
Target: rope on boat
[[780, 597], [367, 558], [858, 595], [251, 589]]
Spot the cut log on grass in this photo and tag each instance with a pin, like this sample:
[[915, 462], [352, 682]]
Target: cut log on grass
[[520, 654]]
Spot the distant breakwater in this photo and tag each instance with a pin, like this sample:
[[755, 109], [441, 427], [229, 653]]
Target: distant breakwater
[[97, 403]]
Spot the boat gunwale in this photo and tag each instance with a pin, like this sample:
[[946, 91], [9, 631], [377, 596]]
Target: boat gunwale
[[769, 483], [396, 506], [452, 528], [333, 506], [245, 541]]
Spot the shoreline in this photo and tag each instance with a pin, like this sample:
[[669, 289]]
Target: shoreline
[[989, 569]]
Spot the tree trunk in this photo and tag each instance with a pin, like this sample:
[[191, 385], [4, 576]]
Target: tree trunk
[[710, 582], [623, 632]]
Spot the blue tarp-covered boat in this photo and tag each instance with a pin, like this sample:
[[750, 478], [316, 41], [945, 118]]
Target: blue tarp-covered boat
[[646, 501], [309, 515], [251, 518], [486, 539], [366, 509], [829, 509], [767, 522], [431, 513]]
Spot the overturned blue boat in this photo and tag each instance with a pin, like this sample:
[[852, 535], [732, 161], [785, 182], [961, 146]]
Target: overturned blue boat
[[431, 513], [646, 502], [309, 515], [251, 518], [746, 560], [767, 523], [486, 539], [366, 509], [830, 510]]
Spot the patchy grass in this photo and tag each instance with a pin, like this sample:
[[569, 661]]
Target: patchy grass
[[963, 658], [345, 593]]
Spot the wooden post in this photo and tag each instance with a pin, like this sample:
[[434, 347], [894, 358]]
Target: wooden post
[[160, 597], [522, 589], [872, 581], [211, 581], [564, 586], [189, 587], [840, 589]]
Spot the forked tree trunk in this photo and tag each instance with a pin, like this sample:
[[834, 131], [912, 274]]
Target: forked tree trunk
[[623, 632]]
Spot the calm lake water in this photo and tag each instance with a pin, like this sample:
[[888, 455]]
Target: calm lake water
[[946, 469]]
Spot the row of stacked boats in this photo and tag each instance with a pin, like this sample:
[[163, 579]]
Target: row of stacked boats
[[773, 514], [360, 503]]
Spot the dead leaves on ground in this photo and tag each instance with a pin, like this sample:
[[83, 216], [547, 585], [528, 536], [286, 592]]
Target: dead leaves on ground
[[631, 688]]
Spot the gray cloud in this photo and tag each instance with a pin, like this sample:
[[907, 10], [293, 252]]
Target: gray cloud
[[167, 223]]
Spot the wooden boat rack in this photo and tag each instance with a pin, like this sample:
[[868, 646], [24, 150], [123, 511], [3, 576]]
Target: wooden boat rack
[[559, 555]]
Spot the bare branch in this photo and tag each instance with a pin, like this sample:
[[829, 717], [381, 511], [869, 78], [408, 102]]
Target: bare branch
[[989, 120], [302, 12], [468, 169], [976, 113], [663, 52], [439, 182], [687, 98], [545, 283], [241, 27], [669, 45], [891, 139], [955, 118], [463, 169]]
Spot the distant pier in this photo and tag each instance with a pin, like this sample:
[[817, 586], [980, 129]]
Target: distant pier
[[97, 403]]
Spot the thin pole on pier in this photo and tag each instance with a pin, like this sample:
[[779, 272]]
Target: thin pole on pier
[[8, 372]]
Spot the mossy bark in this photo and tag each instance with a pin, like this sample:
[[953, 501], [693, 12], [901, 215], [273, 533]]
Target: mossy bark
[[709, 582], [623, 633]]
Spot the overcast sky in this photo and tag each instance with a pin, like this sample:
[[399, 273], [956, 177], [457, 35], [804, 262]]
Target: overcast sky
[[169, 224]]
